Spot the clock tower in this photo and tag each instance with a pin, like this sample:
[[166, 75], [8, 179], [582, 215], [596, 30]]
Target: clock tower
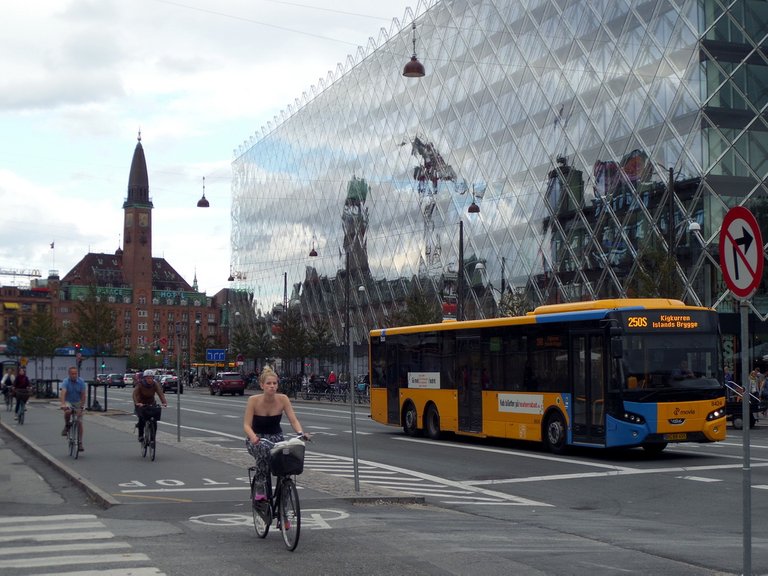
[[137, 228]]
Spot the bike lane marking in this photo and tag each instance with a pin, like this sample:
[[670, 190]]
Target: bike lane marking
[[311, 519]]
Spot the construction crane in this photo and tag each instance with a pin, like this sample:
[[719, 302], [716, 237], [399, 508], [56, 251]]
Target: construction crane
[[32, 272], [20, 272]]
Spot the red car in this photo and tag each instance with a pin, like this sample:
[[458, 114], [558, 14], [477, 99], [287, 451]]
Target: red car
[[227, 383]]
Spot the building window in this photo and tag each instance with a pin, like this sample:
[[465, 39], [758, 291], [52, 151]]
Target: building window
[[143, 313], [142, 300], [142, 327]]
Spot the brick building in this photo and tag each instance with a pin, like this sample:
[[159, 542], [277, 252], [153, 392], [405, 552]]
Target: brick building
[[153, 303]]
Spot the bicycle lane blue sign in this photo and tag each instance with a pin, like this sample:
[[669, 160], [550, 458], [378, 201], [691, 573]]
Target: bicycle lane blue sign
[[741, 252], [215, 354]]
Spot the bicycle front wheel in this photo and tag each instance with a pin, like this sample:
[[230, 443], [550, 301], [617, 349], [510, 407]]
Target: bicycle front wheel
[[145, 436], [152, 441], [71, 438], [76, 440], [289, 514]]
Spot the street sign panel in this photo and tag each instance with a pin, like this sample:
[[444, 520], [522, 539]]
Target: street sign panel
[[215, 354], [741, 252]]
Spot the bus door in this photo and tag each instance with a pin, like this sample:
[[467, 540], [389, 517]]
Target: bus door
[[588, 367], [469, 382]]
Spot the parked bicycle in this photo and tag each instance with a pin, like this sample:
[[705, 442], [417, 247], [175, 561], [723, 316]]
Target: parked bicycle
[[286, 462], [73, 432], [149, 434]]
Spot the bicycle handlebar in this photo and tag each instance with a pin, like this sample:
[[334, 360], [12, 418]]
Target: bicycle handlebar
[[305, 436]]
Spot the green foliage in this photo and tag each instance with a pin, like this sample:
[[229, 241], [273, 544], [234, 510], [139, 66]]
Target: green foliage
[[41, 337], [261, 346], [95, 327], [321, 342], [657, 275], [419, 309], [514, 302], [292, 341]]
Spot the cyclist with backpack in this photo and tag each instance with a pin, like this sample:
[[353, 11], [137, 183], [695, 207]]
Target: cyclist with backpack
[[144, 392]]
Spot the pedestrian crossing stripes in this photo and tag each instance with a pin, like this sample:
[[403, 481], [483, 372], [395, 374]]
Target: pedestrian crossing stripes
[[66, 545], [413, 483]]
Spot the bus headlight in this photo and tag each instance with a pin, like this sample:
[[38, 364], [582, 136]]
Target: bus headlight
[[715, 414], [633, 418]]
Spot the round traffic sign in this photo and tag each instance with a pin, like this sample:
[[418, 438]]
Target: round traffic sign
[[741, 252]]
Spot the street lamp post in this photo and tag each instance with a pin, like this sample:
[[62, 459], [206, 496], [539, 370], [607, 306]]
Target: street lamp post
[[178, 381], [349, 383], [353, 423]]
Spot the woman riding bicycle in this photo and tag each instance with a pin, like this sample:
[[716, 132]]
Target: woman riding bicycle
[[263, 413], [21, 390], [144, 399]]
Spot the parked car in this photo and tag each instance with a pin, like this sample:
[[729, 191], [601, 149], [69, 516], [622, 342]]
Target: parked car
[[116, 380], [102, 379], [129, 379], [227, 383], [170, 383]]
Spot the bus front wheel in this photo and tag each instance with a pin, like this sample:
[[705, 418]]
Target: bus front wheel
[[554, 433], [432, 423], [655, 447], [410, 420]]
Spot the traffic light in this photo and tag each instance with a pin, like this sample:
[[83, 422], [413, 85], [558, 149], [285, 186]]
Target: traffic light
[[77, 347], [158, 350], [103, 365]]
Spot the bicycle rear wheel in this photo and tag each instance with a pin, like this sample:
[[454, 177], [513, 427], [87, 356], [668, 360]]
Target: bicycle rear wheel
[[152, 441], [289, 514], [262, 513]]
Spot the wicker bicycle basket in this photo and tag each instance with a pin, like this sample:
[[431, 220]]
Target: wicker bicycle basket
[[287, 458]]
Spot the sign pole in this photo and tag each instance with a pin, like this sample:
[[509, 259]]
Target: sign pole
[[746, 478], [741, 261], [178, 382]]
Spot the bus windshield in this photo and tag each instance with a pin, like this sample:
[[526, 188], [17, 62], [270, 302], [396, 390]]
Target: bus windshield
[[656, 361]]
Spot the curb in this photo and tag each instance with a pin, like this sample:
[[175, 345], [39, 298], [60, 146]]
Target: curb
[[98, 495], [333, 486]]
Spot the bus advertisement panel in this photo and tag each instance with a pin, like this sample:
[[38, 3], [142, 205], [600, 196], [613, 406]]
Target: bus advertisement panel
[[607, 373]]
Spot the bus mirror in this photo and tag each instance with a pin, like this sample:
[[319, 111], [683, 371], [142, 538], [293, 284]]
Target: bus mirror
[[617, 347]]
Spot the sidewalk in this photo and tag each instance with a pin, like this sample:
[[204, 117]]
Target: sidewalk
[[42, 434]]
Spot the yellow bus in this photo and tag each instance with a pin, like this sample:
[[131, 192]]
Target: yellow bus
[[605, 374]]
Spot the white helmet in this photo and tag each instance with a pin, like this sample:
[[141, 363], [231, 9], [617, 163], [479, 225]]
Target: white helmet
[[149, 372]]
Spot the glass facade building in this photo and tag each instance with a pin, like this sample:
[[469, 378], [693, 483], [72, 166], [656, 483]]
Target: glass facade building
[[602, 140]]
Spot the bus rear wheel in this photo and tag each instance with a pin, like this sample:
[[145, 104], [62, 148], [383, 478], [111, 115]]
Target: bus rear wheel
[[554, 433], [432, 423], [410, 420]]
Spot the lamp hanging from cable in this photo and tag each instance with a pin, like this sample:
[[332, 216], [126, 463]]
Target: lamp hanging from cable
[[474, 208], [313, 252], [203, 202], [414, 68]]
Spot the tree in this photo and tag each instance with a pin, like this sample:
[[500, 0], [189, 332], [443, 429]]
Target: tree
[[292, 342], [261, 345], [241, 339], [95, 327], [40, 338], [321, 343], [419, 309], [514, 302], [657, 275]]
